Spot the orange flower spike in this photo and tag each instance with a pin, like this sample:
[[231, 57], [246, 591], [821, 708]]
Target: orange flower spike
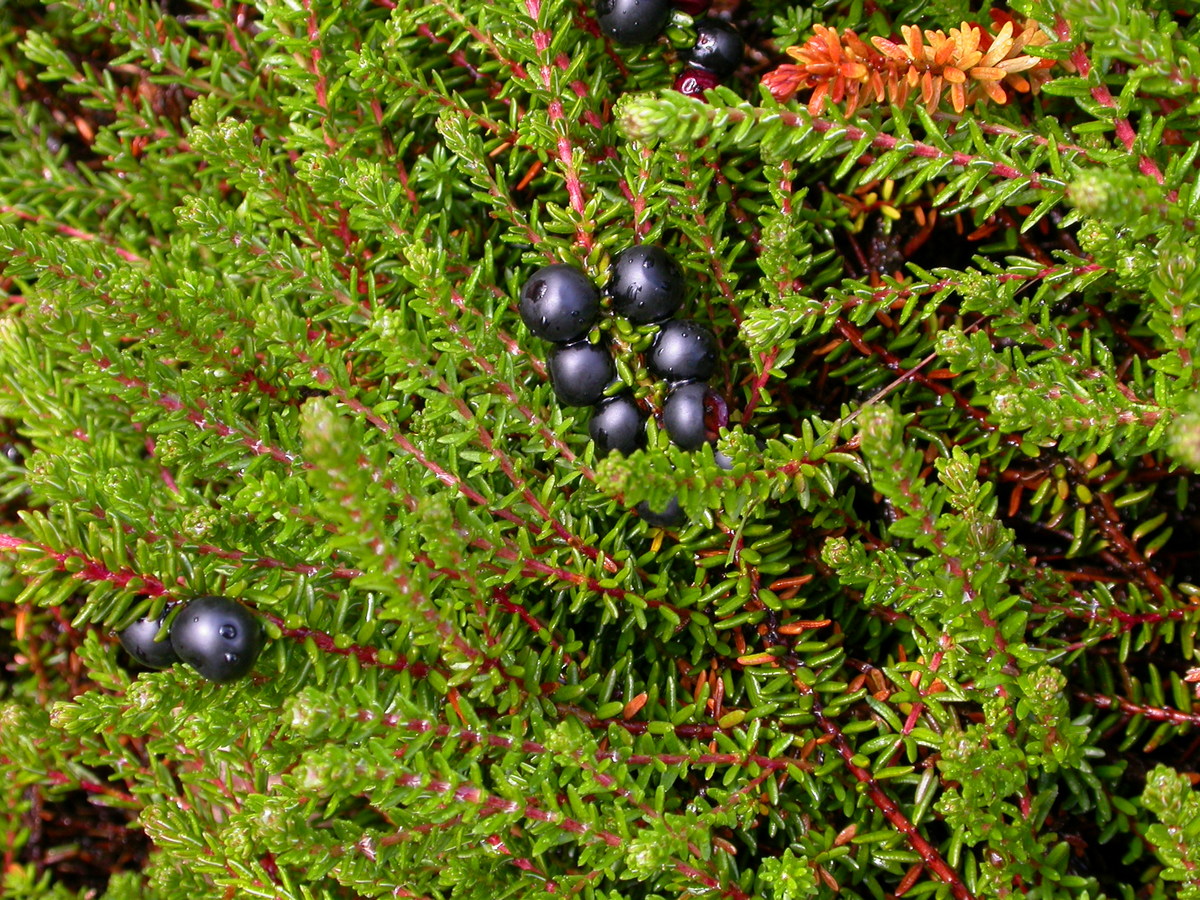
[[966, 46], [785, 81], [888, 49], [944, 49], [912, 37], [970, 63], [935, 95], [878, 87], [1000, 46], [994, 91], [857, 46], [927, 96], [979, 73], [958, 97], [1030, 36], [1019, 64], [816, 103], [834, 45]]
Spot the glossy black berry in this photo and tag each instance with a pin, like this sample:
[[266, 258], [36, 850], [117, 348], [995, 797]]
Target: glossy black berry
[[683, 415], [580, 372], [559, 303], [718, 48], [669, 517], [617, 424], [632, 21], [217, 637], [646, 284], [683, 350], [138, 641], [694, 82]]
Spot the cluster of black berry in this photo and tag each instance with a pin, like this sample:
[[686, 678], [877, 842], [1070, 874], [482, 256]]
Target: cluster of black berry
[[216, 636], [560, 304], [715, 54]]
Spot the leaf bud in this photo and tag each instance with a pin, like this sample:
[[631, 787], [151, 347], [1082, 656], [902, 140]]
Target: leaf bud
[[643, 118]]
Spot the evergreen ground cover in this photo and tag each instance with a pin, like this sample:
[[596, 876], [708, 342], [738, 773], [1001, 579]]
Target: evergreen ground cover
[[931, 635]]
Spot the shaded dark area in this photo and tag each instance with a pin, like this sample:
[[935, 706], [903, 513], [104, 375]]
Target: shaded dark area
[[81, 843]]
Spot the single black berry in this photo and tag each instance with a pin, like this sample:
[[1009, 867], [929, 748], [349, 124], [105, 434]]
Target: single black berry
[[718, 47], [138, 641], [683, 415], [683, 350], [632, 21], [617, 424], [217, 637], [646, 284], [580, 372], [559, 303], [670, 516], [694, 82]]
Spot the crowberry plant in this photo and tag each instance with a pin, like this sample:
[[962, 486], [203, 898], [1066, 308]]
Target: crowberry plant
[[559, 303], [216, 636], [718, 48], [140, 641], [909, 612], [646, 284]]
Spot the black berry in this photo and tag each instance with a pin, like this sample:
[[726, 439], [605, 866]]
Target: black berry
[[670, 516], [694, 82], [646, 284], [632, 21], [683, 415], [559, 303], [217, 637], [718, 48], [138, 641], [580, 372], [617, 424], [683, 350], [694, 7]]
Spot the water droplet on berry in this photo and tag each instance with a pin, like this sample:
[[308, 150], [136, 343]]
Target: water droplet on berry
[[229, 632], [231, 658]]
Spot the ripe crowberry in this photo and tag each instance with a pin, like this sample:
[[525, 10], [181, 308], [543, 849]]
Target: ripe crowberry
[[559, 303], [138, 641], [694, 82], [670, 516], [217, 637], [694, 7], [617, 424], [718, 48], [683, 415], [580, 372], [632, 21], [683, 350], [646, 284]]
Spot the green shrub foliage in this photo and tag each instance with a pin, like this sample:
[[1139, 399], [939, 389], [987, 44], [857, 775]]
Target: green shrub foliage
[[930, 636]]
